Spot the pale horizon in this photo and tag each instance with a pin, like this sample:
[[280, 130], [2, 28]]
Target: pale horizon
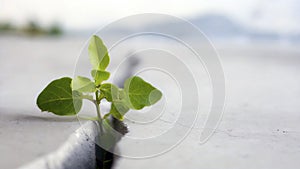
[[279, 16]]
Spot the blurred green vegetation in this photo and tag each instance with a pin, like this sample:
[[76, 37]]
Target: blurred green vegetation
[[55, 30], [32, 28], [6, 26]]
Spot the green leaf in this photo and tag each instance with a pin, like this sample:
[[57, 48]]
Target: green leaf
[[140, 93], [59, 99], [98, 53], [109, 91], [99, 76], [118, 109], [83, 84]]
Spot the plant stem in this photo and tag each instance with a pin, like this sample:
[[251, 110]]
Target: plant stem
[[97, 103], [98, 110]]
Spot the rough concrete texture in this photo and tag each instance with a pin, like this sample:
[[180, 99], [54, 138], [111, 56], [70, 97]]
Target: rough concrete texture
[[76, 153], [26, 136]]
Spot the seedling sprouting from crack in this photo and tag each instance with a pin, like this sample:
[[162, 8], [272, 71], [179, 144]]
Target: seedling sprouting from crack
[[65, 96]]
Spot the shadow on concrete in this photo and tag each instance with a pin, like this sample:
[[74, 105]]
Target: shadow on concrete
[[15, 115]]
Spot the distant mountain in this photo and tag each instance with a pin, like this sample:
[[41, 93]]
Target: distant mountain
[[215, 26], [218, 26]]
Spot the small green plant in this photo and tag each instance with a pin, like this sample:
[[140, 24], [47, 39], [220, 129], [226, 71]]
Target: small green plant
[[65, 96]]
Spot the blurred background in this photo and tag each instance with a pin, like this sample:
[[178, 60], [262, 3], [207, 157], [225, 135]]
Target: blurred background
[[266, 19], [257, 40], [44, 38]]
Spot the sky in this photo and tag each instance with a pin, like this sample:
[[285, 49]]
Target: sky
[[273, 15]]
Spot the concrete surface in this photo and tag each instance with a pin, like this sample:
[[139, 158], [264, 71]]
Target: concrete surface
[[76, 153], [28, 136], [260, 127], [27, 65]]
